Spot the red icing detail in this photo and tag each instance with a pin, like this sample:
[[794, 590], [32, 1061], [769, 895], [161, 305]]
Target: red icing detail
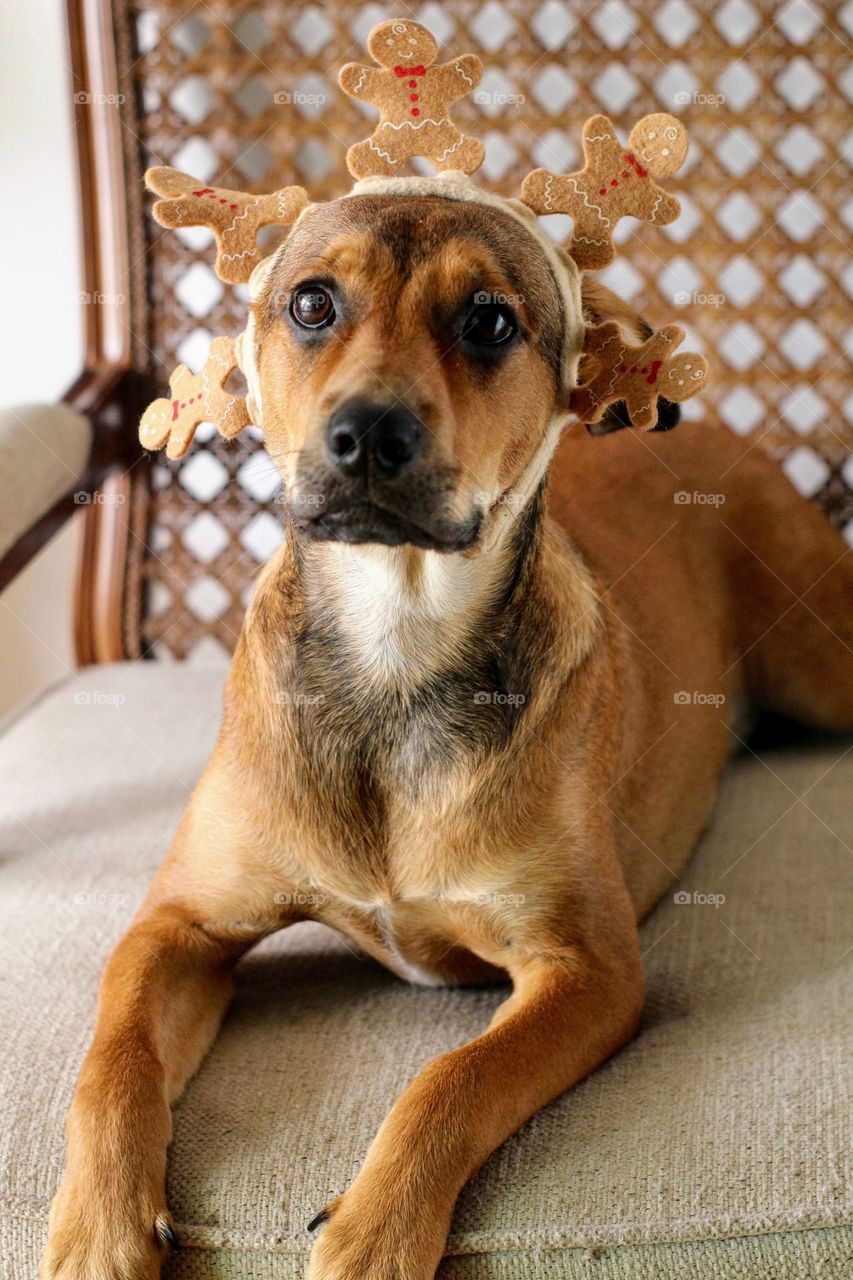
[[641, 172], [413, 97], [204, 191], [629, 156], [175, 404], [613, 182], [620, 368], [413, 84], [644, 369], [416, 111], [602, 191], [233, 206], [653, 376], [402, 72]]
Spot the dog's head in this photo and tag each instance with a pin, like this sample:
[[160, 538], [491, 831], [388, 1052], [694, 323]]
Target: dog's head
[[410, 354]]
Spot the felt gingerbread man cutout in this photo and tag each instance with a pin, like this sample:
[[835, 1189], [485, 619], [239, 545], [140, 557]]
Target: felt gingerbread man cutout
[[235, 217], [615, 182], [414, 97], [615, 370], [196, 397]]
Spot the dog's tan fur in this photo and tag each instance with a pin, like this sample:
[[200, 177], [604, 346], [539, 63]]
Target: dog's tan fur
[[469, 761]]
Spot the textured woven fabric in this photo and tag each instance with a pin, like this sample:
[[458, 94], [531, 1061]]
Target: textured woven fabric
[[713, 1145]]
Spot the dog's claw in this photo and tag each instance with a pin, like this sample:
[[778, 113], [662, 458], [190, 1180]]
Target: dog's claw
[[318, 1220], [166, 1234]]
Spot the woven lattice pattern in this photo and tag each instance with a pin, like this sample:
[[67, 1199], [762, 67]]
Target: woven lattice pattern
[[757, 265]]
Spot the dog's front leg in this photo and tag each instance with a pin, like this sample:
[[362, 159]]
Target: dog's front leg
[[567, 1014], [164, 991]]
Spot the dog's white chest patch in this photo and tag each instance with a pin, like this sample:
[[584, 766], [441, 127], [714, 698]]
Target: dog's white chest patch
[[402, 630]]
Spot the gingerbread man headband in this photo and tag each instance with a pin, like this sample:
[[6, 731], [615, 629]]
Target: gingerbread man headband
[[414, 94]]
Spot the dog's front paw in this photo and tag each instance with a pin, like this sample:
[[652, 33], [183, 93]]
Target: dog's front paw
[[92, 1239], [364, 1239]]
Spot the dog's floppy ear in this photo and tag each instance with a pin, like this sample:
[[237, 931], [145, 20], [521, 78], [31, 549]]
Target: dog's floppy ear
[[601, 304]]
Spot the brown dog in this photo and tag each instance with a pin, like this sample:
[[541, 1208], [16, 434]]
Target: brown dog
[[453, 723]]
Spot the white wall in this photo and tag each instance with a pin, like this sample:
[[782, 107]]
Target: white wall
[[40, 330]]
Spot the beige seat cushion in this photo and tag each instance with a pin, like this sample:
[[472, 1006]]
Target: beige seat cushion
[[713, 1146]]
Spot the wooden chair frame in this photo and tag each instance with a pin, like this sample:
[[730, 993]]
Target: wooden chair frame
[[107, 389]]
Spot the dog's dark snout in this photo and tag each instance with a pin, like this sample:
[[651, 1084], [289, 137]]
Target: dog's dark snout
[[362, 435]]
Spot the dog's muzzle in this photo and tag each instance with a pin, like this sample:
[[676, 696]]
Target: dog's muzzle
[[371, 488]]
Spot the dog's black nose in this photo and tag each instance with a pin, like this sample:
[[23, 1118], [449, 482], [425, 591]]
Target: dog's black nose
[[362, 434]]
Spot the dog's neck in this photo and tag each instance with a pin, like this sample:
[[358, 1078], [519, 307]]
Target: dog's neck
[[404, 614], [401, 620], [398, 657]]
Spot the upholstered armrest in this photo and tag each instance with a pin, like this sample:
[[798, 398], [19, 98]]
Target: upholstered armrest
[[44, 449]]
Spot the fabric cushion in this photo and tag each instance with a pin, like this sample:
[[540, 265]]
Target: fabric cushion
[[43, 452], [713, 1145]]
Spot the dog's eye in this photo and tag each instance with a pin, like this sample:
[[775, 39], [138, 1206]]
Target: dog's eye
[[312, 307], [490, 324]]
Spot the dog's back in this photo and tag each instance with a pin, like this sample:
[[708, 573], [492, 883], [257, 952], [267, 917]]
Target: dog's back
[[712, 524]]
